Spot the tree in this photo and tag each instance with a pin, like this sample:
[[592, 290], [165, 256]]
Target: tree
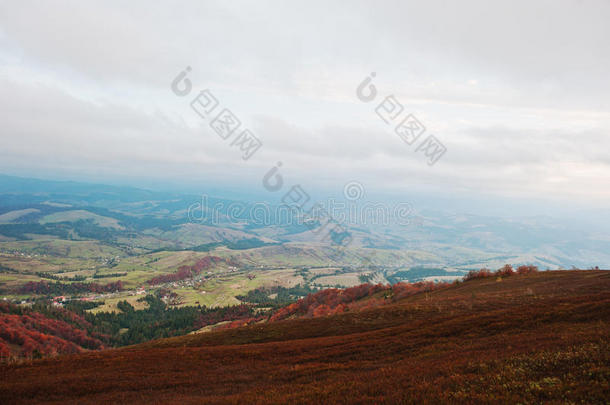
[[527, 269], [505, 271]]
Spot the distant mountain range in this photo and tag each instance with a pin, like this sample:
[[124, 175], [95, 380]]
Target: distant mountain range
[[145, 220]]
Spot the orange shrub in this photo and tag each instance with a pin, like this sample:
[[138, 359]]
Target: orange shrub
[[527, 269], [505, 271], [473, 274]]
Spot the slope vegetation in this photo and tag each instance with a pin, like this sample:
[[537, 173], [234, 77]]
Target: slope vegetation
[[30, 333], [534, 338]]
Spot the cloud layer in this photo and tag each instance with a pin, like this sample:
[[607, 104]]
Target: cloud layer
[[518, 93]]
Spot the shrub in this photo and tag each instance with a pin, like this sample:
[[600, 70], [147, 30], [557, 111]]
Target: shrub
[[474, 274], [505, 271], [527, 269]]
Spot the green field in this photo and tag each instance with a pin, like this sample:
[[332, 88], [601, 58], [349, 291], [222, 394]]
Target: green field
[[274, 265], [76, 215]]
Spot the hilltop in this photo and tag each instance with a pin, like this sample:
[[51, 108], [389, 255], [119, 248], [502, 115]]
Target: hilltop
[[532, 338]]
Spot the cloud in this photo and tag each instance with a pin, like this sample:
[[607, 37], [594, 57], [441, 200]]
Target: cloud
[[517, 92]]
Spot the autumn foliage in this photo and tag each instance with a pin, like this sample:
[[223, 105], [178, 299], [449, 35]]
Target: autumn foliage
[[31, 334], [186, 272], [527, 269], [335, 301], [505, 271], [478, 342]]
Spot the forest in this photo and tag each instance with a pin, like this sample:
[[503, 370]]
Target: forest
[[59, 288]]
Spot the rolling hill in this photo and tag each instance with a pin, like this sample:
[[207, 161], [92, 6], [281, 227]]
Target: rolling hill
[[139, 221], [522, 339]]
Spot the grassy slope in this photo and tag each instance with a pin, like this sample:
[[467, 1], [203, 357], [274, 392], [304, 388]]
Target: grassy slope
[[73, 216], [528, 339]]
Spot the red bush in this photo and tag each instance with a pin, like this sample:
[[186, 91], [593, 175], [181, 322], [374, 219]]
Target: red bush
[[33, 332], [186, 272], [401, 290], [474, 274], [527, 269], [5, 352], [505, 271]]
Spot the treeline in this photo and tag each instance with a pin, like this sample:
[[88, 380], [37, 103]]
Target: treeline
[[505, 271], [109, 275], [59, 288], [58, 278], [186, 272], [284, 296]]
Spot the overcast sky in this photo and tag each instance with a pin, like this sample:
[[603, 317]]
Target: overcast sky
[[518, 93]]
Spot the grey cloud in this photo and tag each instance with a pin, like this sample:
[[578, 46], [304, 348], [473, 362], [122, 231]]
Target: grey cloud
[[517, 91]]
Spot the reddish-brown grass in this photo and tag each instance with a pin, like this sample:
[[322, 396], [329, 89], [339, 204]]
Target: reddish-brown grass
[[535, 338]]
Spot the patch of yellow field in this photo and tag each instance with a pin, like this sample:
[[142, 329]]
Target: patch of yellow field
[[344, 280], [221, 291], [326, 270], [110, 304]]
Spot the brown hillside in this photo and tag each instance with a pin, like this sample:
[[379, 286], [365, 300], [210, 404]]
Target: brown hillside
[[525, 338]]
